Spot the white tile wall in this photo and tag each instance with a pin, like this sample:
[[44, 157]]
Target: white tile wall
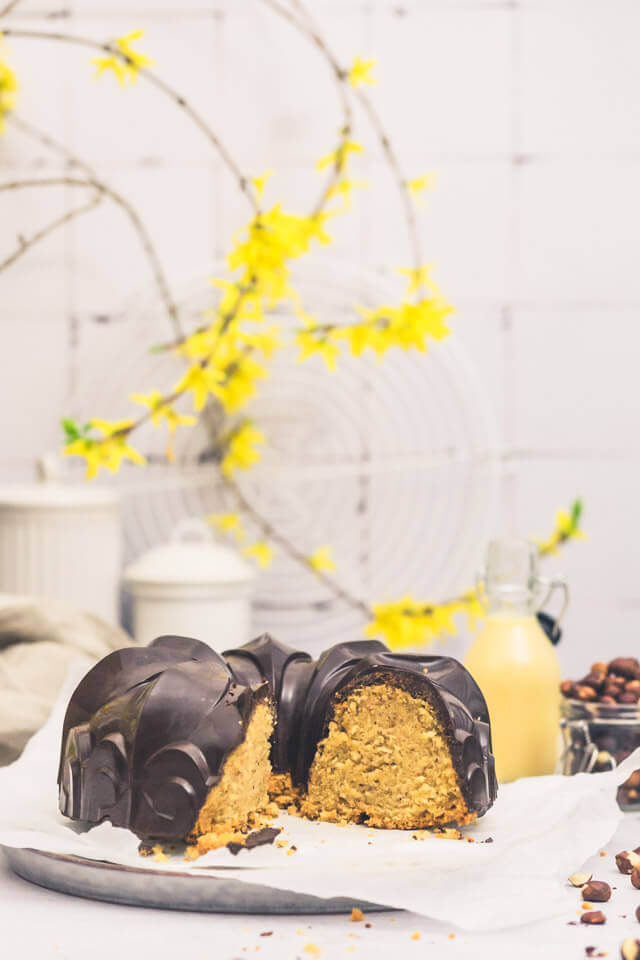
[[528, 110]]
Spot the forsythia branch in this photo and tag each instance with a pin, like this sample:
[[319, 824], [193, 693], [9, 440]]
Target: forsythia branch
[[28, 242], [112, 50]]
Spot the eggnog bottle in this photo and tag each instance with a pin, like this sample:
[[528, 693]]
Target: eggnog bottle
[[515, 664]]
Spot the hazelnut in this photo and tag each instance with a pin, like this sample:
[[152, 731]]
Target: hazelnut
[[568, 688], [604, 760], [633, 780], [596, 890], [630, 949], [625, 667], [593, 679], [586, 693], [627, 860], [599, 667], [635, 877], [633, 686], [579, 879], [628, 696], [608, 700], [593, 916]]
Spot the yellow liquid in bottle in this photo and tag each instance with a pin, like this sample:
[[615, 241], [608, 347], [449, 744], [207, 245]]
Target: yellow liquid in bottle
[[518, 672]]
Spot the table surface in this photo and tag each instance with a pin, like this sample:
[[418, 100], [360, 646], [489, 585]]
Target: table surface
[[42, 923]]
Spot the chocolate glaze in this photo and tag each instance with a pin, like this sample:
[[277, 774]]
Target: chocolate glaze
[[148, 729]]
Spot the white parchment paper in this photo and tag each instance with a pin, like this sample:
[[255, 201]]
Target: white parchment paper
[[543, 829]]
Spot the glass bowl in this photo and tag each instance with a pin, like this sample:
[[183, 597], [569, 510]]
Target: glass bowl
[[599, 736]]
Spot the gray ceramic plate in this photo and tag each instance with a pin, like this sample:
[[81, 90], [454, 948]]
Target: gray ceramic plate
[[138, 887]]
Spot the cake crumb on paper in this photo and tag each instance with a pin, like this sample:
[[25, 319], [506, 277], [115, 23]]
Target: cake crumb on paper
[[356, 915], [416, 935], [313, 949], [158, 854]]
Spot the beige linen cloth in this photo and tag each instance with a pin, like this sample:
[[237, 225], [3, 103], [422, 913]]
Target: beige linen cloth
[[38, 640]]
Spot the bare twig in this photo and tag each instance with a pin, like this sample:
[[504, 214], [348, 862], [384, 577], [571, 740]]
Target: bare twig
[[28, 242], [9, 7], [159, 84], [148, 247], [347, 123], [269, 531], [305, 24]]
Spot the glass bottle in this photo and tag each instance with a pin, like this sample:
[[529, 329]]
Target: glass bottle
[[515, 664]]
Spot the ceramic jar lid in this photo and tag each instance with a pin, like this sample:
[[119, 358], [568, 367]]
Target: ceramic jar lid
[[191, 558], [55, 496]]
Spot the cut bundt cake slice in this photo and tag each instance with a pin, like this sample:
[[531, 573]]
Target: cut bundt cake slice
[[165, 741]]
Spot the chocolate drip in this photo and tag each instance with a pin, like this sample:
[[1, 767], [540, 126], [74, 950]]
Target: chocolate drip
[[147, 731]]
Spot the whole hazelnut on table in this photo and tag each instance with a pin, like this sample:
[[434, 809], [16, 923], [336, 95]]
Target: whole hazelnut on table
[[593, 917], [597, 891], [635, 877], [627, 861]]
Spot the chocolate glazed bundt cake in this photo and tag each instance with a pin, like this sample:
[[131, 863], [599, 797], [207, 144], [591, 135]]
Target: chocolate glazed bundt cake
[[176, 742]]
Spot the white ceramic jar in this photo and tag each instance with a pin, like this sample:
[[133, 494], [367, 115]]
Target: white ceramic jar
[[62, 542], [191, 587]]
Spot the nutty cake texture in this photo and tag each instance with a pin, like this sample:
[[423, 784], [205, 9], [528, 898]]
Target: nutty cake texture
[[176, 742], [384, 761]]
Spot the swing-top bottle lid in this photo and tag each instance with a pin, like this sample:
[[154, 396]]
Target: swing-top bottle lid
[[512, 566]]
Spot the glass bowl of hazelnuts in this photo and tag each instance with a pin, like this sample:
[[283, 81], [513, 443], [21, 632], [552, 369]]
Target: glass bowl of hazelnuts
[[600, 722]]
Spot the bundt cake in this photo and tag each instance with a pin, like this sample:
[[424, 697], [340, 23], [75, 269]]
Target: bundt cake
[[176, 742]]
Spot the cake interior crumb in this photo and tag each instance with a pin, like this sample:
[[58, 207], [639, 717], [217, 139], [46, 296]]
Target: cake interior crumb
[[385, 762], [239, 800]]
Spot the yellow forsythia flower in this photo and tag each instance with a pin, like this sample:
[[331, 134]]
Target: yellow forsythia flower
[[567, 527], [239, 383], [360, 72], [125, 64], [321, 559], [419, 277], [201, 382], [339, 156], [228, 523], [261, 552], [259, 183], [272, 238], [8, 89], [315, 340], [407, 623], [108, 451], [419, 184], [344, 188], [266, 341], [240, 451], [160, 411]]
